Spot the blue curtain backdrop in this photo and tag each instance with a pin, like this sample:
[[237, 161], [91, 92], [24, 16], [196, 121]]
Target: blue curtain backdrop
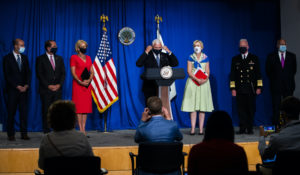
[[219, 24]]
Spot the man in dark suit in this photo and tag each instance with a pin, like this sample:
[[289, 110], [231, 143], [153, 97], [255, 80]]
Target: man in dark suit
[[153, 57], [245, 84], [156, 124], [17, 76], [50, 70], [281, 68]]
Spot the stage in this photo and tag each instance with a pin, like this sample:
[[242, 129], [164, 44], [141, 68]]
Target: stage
[[20, 157]]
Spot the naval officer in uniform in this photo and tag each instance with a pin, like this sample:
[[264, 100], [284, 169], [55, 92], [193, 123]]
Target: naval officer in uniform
[[245, 84]]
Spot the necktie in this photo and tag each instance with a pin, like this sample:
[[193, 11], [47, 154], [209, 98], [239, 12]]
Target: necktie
[[158, 60], [19, 62], [282, 60], [52, 62]]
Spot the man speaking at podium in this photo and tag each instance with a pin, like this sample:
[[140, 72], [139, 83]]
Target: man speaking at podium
[[153, 57]]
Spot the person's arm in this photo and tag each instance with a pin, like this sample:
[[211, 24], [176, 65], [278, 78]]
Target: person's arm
[[63, 73], [40, 73], [259, 84], [268, 66], [172, 59], [7, 72], [28, 74], [294, 65], [232, 78], [142, 59], [91, 75]]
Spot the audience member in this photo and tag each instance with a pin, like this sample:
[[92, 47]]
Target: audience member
[[64, 140], [288, 137], [156, 124], [218, 154]]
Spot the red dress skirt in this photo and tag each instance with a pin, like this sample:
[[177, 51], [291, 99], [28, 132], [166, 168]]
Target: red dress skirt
[[81, 95]]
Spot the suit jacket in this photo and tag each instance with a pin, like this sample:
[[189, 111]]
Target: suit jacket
[[149, 61], [245, 75], [157, 129], [12, 74], [46, 75], [282, 80]]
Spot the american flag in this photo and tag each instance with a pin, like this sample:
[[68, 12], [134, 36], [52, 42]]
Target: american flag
[[104, 84]]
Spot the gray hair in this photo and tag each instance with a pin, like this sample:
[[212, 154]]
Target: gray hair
[[244, 39], [156, 41]]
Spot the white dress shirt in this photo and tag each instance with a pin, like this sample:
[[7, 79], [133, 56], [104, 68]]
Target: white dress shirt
[[16, 56], [279, 53]]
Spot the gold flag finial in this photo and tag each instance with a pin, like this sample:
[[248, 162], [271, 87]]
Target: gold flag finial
[[103, 19], [158, 18]]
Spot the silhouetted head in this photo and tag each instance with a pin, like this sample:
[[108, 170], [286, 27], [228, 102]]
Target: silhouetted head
[[62, 115], [290, 107], [219, 126]]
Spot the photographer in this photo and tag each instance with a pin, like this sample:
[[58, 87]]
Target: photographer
[[289, 135], [156, 124]]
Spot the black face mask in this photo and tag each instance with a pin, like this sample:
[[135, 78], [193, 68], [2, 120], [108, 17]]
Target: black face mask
[[243, 50], [53, 50], [82, 50], [156, 51]]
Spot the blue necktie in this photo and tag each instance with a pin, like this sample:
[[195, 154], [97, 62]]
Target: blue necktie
[[19, 62], [157, 60]]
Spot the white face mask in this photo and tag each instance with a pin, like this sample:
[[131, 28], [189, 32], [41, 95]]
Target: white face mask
[[22, 49], [197, 49]]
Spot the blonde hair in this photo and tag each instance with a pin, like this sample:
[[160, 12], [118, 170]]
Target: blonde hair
[[78, 43], [200, 42]]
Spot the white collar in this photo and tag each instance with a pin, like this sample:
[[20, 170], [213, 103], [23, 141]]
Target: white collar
[[16, 55]]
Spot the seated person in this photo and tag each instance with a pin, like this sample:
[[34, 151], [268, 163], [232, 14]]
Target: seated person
[[156, 124], [288, 137], [65, 140], [217, 153]]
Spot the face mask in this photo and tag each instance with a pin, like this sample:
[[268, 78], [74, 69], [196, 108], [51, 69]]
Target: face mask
[[197, 49], [83, 50], [22, 49], [243, 50], [53, 50], [156, 51], [282, 48]]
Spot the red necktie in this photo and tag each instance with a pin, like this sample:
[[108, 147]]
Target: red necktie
[[52, 62]]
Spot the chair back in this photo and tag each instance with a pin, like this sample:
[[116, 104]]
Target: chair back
[[160, 157], [287, 162], [72, 165]]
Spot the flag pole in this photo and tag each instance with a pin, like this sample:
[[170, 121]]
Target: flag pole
[[103, 19]]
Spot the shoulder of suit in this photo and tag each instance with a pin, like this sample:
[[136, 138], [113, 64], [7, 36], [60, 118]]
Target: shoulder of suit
[[290, 53]]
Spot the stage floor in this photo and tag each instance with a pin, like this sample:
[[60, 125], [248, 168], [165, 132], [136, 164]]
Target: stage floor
[[114, 138]]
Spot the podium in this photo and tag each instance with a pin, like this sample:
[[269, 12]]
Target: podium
[[164, 77]]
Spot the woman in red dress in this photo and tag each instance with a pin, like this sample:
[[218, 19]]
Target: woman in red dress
[[81, 89]]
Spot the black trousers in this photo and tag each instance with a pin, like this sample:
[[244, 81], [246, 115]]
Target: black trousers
[[276, 102], [47, 99], [16, 100], [246, 110]]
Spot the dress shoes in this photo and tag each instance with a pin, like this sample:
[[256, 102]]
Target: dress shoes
[[25, 137], [11, 138]]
